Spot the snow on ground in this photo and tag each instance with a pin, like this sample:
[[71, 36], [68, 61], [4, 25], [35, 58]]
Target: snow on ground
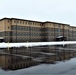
[[31, 44]]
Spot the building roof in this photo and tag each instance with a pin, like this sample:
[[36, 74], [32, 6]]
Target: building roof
[[32, 21], [20, 19], [56, 23]]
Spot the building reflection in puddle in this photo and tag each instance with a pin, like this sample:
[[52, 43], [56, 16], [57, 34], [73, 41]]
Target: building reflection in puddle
[[18, 58]]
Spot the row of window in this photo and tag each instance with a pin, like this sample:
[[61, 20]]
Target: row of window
[[26, 39], [31, 34], [25, 33], [23, 28], [14, 33], [5, 33], [19, 39], [27, 22], [34, 33]]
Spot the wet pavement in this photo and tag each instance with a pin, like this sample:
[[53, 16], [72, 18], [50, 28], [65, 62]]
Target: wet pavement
[[67, 67]]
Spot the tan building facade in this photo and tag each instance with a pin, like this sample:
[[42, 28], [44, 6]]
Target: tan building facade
[[20, 30]]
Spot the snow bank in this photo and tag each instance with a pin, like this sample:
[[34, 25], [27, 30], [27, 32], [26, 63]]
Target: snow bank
[[31, 44]]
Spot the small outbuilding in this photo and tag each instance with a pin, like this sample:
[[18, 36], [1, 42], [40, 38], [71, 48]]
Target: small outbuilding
[[1, 39]]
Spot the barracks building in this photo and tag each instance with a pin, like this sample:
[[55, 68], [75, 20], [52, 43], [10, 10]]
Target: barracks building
[[21, 30]]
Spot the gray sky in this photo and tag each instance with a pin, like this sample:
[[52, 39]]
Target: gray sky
[[63, 11]]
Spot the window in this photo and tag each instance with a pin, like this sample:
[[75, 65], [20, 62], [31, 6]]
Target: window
[[8, 27], [20, 22], [17, 21], [23, 22], [33, 23], [8, 20], [26, 22], [14, 21]]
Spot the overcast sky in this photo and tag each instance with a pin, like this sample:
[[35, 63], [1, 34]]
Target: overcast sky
[[63, 11]]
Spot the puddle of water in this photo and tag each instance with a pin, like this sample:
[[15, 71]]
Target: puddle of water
[[60, 68]]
